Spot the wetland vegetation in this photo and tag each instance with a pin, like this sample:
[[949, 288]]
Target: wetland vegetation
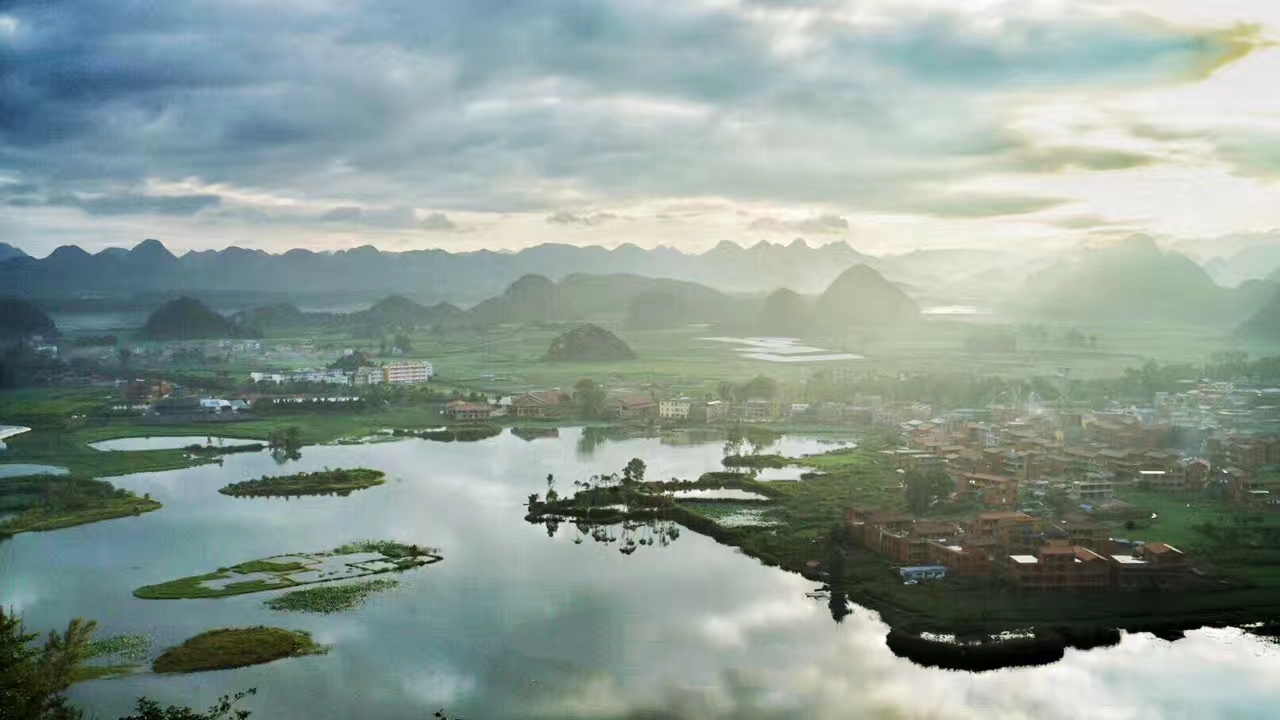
[[52, 502], [352, 560], [324, 482], [236, 647], [330, 598]]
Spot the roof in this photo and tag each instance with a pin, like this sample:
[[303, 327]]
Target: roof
[[989, 478], [1085, 554], [1025, 559], [1160, 548], [1128, 560], [923, 568]]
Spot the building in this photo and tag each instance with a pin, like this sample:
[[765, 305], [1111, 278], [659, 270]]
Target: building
[[964, 559], [712, 411], [922, 573], [1058, 568], [367, 376], [675, 409], [407, 372], [538, 404], [463, 411], [1009, 531], [1093, 488], [995, 490], [632, 407]]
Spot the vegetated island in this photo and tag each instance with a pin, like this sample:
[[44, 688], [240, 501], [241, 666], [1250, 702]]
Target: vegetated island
[[236, 647], [324, 482], [53, 502], [962, 623], [330, 598], [353, 560]]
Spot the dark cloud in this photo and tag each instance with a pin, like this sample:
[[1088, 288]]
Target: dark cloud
[[493, 105], [567, 218], [346, 213], [822, 224], [149, 204], [438, 222]]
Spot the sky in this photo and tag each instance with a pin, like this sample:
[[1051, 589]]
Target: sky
[[462, 124]]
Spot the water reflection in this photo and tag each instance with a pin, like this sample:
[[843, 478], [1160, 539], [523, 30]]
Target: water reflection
[[513, 624]]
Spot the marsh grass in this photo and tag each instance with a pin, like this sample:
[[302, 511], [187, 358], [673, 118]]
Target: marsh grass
[[236, 647]]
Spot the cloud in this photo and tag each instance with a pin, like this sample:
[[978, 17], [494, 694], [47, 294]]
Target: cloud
[[549, 104], [823, 224], [437, 222], [974, 205], [346, 213], [567, 218]]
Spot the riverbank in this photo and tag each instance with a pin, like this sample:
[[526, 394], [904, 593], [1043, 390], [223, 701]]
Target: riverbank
[[803, 537], [45, 502]]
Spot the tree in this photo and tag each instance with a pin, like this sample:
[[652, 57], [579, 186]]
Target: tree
[[922, 487], [588, 398], [634, 471], [403, 342], [285, 443], [32, 681], [760, 387]]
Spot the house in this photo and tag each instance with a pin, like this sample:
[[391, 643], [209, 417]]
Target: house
[[1010, 531], [964, 559], [631, 407], [538, 404], [407, 372], [675, 409], [757, 411], [463, 411]]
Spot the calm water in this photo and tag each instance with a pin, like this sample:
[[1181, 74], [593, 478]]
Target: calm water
[[170, 442], [515, 624], [17, 469]]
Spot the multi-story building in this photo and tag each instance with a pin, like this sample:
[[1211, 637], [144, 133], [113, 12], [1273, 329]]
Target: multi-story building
[[1093, 488], [407, 372], [1058, 567], [675, 408], [367, 376], [538, 404]]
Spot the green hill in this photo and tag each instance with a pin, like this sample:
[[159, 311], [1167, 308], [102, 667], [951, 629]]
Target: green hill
[[1133, 281], [189, 319], [589, 343], [21, 319], [396, 311], [282, 317], [861, 296], [786, 313], [1264, 325], [531, 299]]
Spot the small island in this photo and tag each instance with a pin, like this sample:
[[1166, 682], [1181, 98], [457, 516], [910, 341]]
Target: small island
[[324, 482], [235, 647], [353, 560], [52, 502]]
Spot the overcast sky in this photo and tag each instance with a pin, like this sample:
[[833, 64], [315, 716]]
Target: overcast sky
[[891, 124]]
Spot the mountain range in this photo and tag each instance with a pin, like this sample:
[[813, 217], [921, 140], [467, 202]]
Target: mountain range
[[428, 275]]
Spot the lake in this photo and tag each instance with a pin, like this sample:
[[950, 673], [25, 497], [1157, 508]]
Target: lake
[[516, 624]]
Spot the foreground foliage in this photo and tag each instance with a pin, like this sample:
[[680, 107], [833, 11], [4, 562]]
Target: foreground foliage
[[235, 647]]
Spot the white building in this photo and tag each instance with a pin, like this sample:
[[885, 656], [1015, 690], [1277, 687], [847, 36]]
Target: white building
[[367, 376], [407, 372], [675, 409]]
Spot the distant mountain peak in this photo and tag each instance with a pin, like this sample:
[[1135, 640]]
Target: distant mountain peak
[[9, 252]]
